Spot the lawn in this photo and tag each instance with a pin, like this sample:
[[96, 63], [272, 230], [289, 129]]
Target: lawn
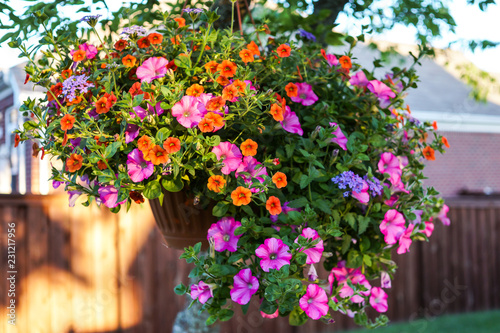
[[475, 322]]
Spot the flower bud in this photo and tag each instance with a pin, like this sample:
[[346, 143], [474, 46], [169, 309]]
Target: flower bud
[[315, 133]]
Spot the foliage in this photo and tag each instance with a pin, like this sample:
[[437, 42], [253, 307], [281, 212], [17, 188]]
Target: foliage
[[306, 157]]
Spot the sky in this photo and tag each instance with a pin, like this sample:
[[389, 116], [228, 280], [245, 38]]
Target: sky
[[472, 23]]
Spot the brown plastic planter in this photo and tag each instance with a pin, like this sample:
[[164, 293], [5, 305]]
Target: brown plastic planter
[[181, 223]]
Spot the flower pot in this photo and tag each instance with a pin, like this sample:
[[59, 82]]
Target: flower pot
[[181, 223]]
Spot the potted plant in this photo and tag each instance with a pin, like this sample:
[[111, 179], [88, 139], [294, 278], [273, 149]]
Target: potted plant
[[283, 156]]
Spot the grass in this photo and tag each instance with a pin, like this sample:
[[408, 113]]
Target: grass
[[474, 322]]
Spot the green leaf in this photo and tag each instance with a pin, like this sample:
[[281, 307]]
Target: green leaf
[[137, 100], [364, 221], [29, 125], [323, 205], [222, 270], [220, 209], [173, 185], [152, 190], [346, 244], [354, 259], [180, 289], [298, 203], [268, 307], [162, 135], [110, 150], [351, 219], [225, 314], [297, 317], [211, 320]]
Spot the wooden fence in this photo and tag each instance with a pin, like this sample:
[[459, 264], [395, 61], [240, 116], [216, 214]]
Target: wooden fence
[[88, 270]]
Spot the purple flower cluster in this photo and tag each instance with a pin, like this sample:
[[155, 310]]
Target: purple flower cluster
[[193, 10], [349, 178], [134, 31], [374, 185], [307, 35], [74, 83], [91, 19]]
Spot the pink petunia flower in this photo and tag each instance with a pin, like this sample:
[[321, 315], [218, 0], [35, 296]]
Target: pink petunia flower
[[305, 94], [223, 235], [405, 240], [393, 226], [245, 285], [330, 58], [443, 215], [273, 254], [343, 274], [153, 68], [256, 169], [313, 254], [359, 79], [109, 195], [378, 299], [312, 274], [203, 99], [90, 50], [390, 164], [291, 122], [385, 280], [383, 92], [202, 292], [230, 154], [186, 111], [362, 196], [391, 201], [339, 138], [315, 302], [142, 113], [138, 168], [131, 132], [429, 228]]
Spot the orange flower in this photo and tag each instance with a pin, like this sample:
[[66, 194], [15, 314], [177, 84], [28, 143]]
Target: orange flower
[[143, 42], [17, 139], [136, 197], [229, 92], [216, 118], [180, 21], [253, 48], [273, 205], [249, 148], [76, 100], [129, 60], [279, 179], [55, 90], [277, 112], [101, 165], [158, 155], [227, 68], [121, 44], [144, 144], [435, 125], [241, 196], [215, 103], [284, 51], [155, 38], [111, 99], [222, 80], [211, 67], [172, 145], [240, 85], [136, 89], [246, 55], [67, 122], [74, 162], [66, 73], [429, 153], [216, 183], [291, 90], [445, 142], [79, 55], [176, 40], [195, 90], [206, 125], [345, 62], [101, 105]]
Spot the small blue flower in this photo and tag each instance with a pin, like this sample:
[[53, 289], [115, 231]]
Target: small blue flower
[[74, 83], [307, 35], [91, 19]]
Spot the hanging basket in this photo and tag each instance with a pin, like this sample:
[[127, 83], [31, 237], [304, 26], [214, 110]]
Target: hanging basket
[[181, 223]]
